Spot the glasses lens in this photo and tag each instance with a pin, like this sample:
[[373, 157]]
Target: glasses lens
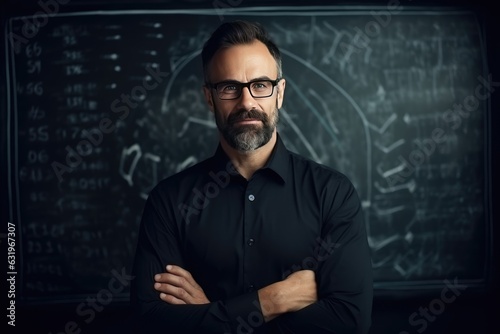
[[232, 90], [228, 91], [261, 88]]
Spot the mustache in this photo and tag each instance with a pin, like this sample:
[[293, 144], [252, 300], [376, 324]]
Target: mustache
[[243, 114]]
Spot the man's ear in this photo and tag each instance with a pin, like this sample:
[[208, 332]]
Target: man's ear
[[208, 98], [280, 92]]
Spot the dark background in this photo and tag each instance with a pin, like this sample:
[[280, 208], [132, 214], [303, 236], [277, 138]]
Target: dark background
[[475, 311]]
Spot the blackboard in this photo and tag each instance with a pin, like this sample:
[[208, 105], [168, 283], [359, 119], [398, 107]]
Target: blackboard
[[103, 105]]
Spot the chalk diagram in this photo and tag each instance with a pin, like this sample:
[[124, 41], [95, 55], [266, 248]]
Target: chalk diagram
[[307, 124], [351, 124], [360, 112]]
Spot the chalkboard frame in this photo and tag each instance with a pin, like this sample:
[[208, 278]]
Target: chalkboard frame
[[383, 288]]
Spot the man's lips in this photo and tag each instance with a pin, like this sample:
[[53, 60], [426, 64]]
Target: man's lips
[[248, 121]]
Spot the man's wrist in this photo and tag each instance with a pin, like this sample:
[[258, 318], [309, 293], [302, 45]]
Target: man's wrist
[[273, 300]]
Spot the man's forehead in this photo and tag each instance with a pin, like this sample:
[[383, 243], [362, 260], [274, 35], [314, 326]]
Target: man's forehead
[[252, 59]]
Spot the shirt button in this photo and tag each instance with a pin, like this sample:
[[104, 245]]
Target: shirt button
[[250, 288], [250, 242], [251, 197]]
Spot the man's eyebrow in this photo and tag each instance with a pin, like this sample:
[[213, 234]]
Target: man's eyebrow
[[264, 77], [229, 81]]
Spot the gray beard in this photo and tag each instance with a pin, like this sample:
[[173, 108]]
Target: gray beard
[[246, 138], [249, 139]]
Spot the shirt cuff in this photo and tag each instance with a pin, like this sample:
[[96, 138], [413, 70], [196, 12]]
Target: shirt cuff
[[245, 313]]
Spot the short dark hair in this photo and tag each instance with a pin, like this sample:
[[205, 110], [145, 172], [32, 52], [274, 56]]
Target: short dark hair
[[236, 33]]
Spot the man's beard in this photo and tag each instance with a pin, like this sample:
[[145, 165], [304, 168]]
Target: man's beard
[[247, 137]]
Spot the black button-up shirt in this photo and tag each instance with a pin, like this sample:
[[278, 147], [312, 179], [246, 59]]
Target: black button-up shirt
[[236, 236]]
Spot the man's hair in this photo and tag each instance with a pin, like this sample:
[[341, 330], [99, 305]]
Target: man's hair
[[236, 33]]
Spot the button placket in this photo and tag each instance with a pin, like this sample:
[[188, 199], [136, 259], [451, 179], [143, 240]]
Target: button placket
[[250, 215]]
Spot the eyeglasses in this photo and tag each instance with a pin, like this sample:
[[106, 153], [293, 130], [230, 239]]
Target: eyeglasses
[[231, 90]]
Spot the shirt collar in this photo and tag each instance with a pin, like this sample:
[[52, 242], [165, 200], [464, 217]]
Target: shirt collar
[[277, 163]]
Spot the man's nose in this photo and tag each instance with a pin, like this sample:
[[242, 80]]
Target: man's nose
[[246, 100]]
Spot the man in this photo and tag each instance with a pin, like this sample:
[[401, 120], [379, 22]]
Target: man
[[255, 239]]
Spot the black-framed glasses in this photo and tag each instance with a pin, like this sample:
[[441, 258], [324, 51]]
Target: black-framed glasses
[[231, 90]]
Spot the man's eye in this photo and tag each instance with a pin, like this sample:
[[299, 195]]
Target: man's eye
[[229, 88], [260, 85]]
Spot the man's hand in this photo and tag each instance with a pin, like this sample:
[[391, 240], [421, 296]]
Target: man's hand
[[295, 292], [301, 289], [177, 286]]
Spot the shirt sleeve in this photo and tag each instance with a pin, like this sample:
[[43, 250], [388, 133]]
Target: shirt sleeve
[[344, 274], [157, 244]]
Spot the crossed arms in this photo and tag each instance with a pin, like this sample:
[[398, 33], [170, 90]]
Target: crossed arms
[[334, 298], [177, 286]]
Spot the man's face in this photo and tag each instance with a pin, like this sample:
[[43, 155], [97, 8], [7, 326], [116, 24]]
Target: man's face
[[245, 123]]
